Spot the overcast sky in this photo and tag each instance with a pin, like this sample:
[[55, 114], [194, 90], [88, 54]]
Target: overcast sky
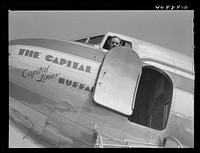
[[169, 29]]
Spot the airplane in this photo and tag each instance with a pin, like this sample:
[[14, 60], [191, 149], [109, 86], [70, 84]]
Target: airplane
[[80, 94]]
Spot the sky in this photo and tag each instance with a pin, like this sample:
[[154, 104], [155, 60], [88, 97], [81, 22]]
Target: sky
[[170, 29]]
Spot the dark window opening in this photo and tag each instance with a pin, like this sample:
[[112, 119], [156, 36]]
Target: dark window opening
[[153, 99], [124, 43], [82, 40]]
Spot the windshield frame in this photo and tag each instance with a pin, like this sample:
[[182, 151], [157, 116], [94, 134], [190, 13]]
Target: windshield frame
[[103, 41]]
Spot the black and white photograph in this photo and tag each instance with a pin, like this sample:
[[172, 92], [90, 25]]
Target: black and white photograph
[[101, 78]]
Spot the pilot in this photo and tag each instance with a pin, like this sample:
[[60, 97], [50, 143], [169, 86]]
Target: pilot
[[114, 42]]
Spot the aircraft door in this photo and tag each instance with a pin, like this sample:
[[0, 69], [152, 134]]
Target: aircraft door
[[117, 81]]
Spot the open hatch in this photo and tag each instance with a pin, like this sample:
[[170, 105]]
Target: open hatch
[[117, 82]]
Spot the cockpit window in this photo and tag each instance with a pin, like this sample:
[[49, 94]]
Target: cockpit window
[[82, 40], [95, 40], [127, 44], [91, 40], [124, 43]]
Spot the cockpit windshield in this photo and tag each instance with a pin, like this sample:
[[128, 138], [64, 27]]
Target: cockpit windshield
[[102, 41], [91, 40]]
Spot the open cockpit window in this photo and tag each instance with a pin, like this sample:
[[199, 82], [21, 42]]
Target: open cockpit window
[[99, 41], [124, 43]]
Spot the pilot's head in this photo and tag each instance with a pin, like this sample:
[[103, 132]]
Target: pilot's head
[[114, 42]]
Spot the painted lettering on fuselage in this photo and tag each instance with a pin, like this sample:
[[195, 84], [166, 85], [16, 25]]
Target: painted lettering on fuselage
[[56, 60], [43, 71], [68, 63], [30, 53], [74, 84]]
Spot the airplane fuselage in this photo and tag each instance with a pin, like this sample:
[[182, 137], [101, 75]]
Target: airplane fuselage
[[51, 89]]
